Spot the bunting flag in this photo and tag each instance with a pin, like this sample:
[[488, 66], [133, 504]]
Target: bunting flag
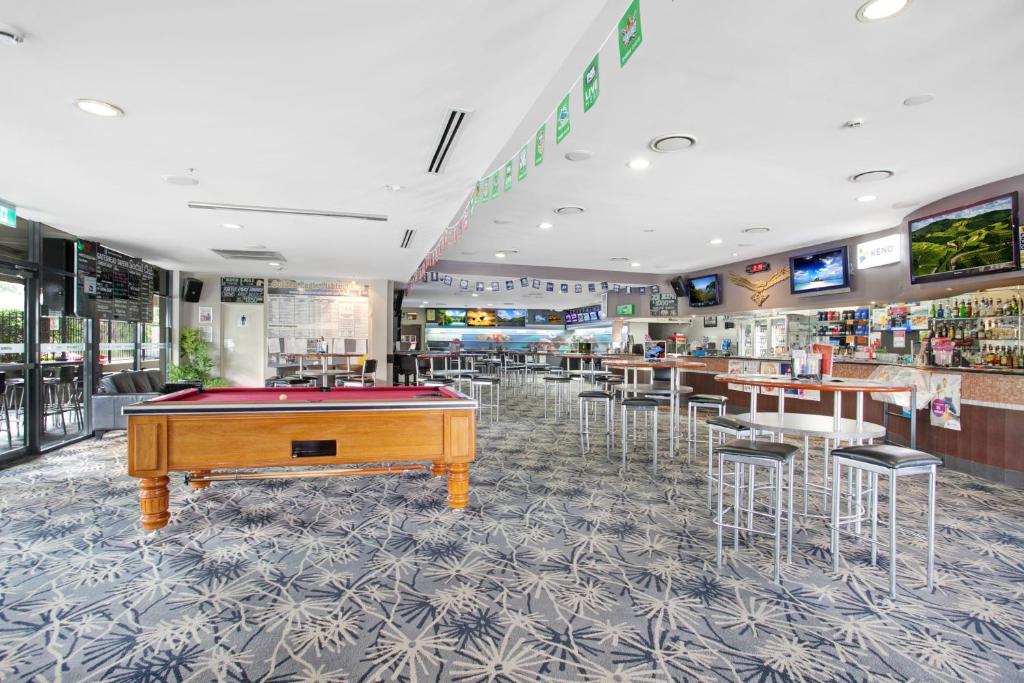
[[578, 289], [536, 284], [628, 35], [524, 281], [463, 284], [564, 288], [562, 125], [591, 83]]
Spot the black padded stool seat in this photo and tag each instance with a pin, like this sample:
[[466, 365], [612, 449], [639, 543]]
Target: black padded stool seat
[[640, 403], [556, 378], [886, 455], [708, 398], [595, 394], [759, 449], [726, 423], [483, 379]]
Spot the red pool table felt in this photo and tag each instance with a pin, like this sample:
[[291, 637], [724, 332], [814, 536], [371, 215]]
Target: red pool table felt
[[307, 395]]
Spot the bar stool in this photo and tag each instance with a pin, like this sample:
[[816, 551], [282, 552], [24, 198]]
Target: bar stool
[[893, 462], [595, 398], [698, 402], [493, 403], [635, 406], [775, 457], [7, 412], [561, 394], [720, 426], [53, 401]]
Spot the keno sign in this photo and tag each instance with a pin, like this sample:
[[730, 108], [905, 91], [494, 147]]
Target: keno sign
[[880, 252]]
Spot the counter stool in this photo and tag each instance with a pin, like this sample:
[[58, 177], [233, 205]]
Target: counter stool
[[893, 462], [775, 457], [720, 426], [560, 383], [595, 398], [7, 412], [493, 403], [635, 406], [697, 402]]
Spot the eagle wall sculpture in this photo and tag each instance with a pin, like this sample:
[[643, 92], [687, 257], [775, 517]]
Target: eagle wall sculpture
[[760, 287]]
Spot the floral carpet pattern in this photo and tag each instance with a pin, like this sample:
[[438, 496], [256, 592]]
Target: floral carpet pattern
[[559, 570]]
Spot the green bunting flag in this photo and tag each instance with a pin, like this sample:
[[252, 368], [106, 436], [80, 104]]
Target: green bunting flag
[[495, 183], [538, 144], [524, 156], [484, 190], [508, 175], [630, 33], [591, 84], [562, 120]]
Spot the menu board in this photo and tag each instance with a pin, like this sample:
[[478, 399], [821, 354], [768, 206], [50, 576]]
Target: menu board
[[663, 304], [112, 285], [301, 310], [241, 290]]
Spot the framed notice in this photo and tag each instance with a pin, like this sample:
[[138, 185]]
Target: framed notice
[[241, 290]]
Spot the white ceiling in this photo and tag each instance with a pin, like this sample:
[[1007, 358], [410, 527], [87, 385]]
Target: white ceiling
[[312, 104], [765, 87]]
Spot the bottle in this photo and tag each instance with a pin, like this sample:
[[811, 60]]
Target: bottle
[[942, 312], [969, 311], [1003, 359], [933, 310]]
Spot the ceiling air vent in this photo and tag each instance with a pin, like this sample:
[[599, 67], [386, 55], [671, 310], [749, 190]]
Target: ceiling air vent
[[407, 238], [453, 122], [249, 255]]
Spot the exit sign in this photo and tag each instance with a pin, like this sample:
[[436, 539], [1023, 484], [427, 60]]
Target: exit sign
[[8, 214], [762, 267]]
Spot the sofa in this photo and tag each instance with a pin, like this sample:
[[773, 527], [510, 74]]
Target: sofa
[[124, 388]]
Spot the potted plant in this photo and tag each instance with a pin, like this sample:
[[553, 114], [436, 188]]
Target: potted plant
[[196, 364]]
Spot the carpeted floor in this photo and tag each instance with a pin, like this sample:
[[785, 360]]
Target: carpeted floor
[[560, 570]]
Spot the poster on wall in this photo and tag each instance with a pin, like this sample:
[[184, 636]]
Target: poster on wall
[[664, 305], [241, 290], [945, 408]]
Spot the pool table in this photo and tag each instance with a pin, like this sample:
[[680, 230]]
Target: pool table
[[205, 432]]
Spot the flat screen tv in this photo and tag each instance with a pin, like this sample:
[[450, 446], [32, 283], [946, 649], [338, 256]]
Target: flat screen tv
[[971, 240], [705, 290], [819, 271]]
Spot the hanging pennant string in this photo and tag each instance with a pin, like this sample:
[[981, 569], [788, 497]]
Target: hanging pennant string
[[629, 23]]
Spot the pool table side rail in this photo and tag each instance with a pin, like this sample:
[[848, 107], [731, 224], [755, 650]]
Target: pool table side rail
[[166, 405]]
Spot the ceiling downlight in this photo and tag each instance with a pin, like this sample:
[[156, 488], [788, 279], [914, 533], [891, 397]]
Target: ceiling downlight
[[664, 144], [569, 210], [872, 176]]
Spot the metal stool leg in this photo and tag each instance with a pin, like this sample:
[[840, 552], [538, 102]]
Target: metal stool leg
[[931, 530], [892, 535]]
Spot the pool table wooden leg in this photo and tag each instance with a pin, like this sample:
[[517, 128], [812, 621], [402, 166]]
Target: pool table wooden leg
[[153, 500], [458, 485], [198, 484], [438, 469]]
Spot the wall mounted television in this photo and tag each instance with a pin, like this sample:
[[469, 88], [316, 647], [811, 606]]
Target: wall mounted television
[[820, 271], [976, 239], [705, 290]]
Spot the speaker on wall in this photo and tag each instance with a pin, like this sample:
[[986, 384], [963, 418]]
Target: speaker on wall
[[678, 286], [191, 290]]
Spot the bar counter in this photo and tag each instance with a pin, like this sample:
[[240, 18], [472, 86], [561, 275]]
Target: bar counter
[[990, 443]]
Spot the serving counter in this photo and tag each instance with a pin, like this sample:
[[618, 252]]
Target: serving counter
[[989, 443]]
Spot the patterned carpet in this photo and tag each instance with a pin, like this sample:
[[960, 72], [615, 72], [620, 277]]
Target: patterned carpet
[[560, 570]]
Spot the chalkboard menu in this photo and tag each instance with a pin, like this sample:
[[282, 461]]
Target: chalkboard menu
[[241, 290], [663, 305], [112, 285]]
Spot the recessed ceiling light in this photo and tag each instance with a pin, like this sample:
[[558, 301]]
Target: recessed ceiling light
[[872, 176], [392, 188], [671, 143], [639, 164], [949, 289], [99, 108], [620, 258], [273, 264], [917, 100], [648, 229], [866, 198], [734, 254], [499, 254], [187, 179], [10, 37], [876, 10], [426, 302], [744, 244], [569, 210], [501, 221], [756, 230], [634, 264], [579, 155], [545, 225], [715, 240], [232, 226], [475, 294]]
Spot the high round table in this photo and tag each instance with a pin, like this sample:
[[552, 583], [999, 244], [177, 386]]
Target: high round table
[[675, 365]]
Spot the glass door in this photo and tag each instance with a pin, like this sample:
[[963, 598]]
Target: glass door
[[14, 366], [63, 349]]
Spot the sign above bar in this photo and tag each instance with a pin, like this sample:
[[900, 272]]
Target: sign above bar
[[879, 252]]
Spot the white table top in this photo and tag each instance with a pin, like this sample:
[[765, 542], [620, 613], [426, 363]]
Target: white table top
[[801, 424]]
